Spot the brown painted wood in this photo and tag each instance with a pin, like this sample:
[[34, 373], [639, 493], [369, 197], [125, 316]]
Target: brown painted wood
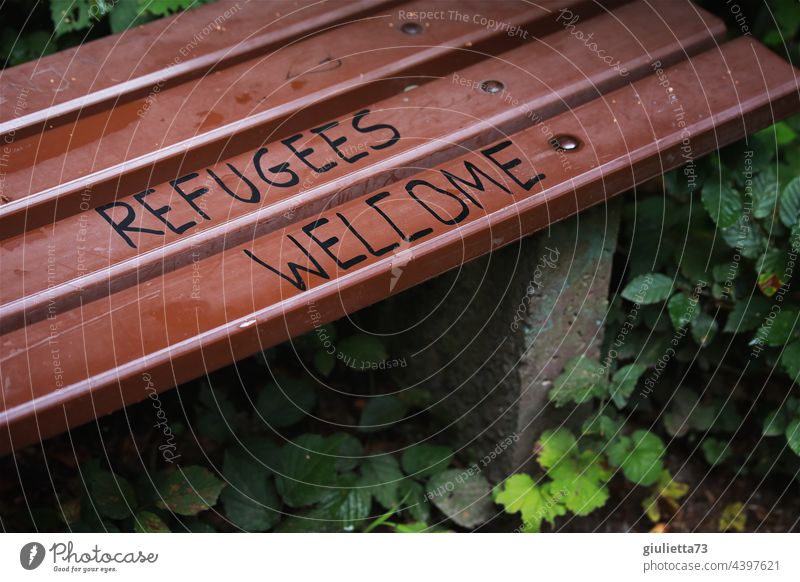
[[162, 53], [91, 360], [161, 135], [436, 121]]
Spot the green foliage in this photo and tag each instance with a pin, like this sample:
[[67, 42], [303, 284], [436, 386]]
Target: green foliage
[[189, 490], [579, 382], [648, 288], [381, 412], [640, 456]]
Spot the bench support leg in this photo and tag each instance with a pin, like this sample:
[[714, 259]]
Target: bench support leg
[[487, 340]]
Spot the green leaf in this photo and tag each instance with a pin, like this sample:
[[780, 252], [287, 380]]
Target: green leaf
[[747, 314], [71, 15], [149, 522], [793, 435], [381, 476], [648, 288], [639, 456], [127, 14], [579, 382], [362, 352], [285, 402], [722, 203], [111, 494], [324, 362], [250, 500], [307, 469], [604, 425], [381, 412], [682, 310], [774, 423], [791, 360], [188, 491], [746, 237], [415, 501], [579, 481], [765, 194], [715, 451], [624, 383], [778, 330], [554, 445], [424, 460], [165, 7], [790, 202], [464, 496], [704, 329], [519, 494], [349, 451], [733, 517]]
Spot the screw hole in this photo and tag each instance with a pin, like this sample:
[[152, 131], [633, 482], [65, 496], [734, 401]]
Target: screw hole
[[492, 87], [565, 143], [412, 28]]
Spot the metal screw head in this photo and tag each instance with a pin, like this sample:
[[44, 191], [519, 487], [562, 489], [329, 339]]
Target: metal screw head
[[565, 143], [412, 28], [492, 87]]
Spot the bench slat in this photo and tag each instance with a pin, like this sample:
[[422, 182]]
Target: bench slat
[[153, 333], [565, 74], [158, 137], [170, 49]]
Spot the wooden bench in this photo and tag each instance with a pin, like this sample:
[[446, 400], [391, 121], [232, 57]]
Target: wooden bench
[[166, 216]]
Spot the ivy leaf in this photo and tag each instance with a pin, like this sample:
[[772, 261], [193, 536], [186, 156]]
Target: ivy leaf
[[250, 500], [648, 288], [463, 496], [682, 310], [149, 522], [790, 202], [791, 360], [307, 469], [578, 383], [519, 494], [722, 203], [424, 460], [111, 494], [188, 491], [381, 412], [793, 435], [285, 402], [381, 477], [704, 329], [624, 383], [639, 456]]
